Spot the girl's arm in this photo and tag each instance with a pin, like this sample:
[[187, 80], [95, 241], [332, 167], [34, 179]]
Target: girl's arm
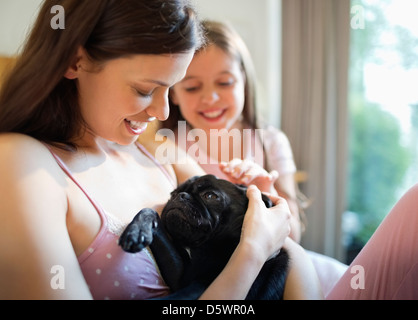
[[286, 187], [302, 281]]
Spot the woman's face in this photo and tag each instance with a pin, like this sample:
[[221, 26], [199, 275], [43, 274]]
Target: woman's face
[[119, 101], [211, 96]]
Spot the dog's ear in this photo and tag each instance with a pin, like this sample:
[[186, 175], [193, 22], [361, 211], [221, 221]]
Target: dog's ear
[[242, 189], [186, 183], [193, 179], [267, 200]]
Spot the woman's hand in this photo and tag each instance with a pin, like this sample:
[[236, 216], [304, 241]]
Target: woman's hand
[[263, 234], [265, 229], [248, 172]]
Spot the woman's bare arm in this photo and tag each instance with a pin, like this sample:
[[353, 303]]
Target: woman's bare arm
[[34, 241]]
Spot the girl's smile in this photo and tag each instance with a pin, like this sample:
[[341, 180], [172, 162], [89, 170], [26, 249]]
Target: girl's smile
[[211, 96], [213, 115]]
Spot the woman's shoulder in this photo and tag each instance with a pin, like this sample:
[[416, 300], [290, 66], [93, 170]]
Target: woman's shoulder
[[17, 141], [21, 148], [33, 211], [20, 154], [30, 174]]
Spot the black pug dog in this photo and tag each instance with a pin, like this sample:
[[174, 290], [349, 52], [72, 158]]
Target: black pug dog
[[199, 229]]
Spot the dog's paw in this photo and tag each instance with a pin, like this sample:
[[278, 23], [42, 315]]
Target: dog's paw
[[139, 233]]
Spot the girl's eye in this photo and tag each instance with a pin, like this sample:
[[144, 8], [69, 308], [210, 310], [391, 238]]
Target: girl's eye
[[191, 89], [191, 85], [226, 83]]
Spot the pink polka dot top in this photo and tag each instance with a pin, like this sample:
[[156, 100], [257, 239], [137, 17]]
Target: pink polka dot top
[[110, 272]]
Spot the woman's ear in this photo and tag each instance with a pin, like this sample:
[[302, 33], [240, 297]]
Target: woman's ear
[[75, 66], [71, 73]]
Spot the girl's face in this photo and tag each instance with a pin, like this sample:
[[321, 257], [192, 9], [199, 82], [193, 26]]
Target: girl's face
[[119, 101], [211, 96]]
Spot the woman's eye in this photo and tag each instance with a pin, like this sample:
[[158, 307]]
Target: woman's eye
[[144, 94]]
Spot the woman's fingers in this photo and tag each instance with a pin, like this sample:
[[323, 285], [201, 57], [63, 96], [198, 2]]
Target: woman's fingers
[[266, 228]]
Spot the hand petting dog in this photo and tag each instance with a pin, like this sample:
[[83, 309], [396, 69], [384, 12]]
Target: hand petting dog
[[201, 226]]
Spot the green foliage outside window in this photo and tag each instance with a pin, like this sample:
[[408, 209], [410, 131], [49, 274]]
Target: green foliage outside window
[[379, 157]]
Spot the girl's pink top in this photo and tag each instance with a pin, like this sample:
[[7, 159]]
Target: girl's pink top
[[268, 147]]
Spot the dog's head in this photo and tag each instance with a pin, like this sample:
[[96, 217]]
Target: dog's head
[[203, 207]]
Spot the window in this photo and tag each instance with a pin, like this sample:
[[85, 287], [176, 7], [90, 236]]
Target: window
[[383, 107]]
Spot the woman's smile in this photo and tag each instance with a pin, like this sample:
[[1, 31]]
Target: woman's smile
[[136, 127]]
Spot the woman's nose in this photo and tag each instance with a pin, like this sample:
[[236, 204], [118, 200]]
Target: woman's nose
[[159, 107]]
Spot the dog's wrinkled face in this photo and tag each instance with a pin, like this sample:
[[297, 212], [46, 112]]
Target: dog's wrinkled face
[[203, 207]]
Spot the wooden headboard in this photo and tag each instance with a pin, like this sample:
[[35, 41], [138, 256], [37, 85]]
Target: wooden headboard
[[6, 63]]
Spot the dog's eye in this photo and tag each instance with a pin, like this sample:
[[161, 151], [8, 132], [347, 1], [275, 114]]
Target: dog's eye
[[210, 195]]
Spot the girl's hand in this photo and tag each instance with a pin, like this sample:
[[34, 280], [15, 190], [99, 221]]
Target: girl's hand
[[248, 172], [265, 229]]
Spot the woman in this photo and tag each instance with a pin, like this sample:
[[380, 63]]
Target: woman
[[72, 174]]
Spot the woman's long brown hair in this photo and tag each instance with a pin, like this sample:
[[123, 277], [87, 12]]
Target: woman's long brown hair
[[38, 101]]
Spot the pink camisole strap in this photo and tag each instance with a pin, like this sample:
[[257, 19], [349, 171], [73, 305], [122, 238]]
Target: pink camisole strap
[[158, 164], [110, 272]]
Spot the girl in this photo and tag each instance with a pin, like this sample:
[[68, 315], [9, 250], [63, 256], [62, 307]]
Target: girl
[[217, 96]]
